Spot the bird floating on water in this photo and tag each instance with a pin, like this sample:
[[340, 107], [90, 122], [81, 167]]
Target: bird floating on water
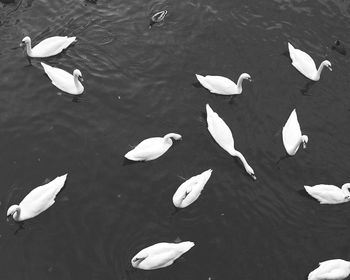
[[48, 47], [222, 85], [37, 201], [189, 191], [291, 135], [223, 136], [329, 194], [160, 255], [336, 269], [65, 81], [157, 17], [152, 148], [305, 64]]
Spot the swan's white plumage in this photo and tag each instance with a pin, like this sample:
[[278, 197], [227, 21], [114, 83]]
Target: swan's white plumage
[[305, 64], [222, 85], [152, 148], [329, 194], [223, 136], [160, 255], [189, 191], [63, 80], [291, 134], [49, 46], [38, 200], [336, 269]]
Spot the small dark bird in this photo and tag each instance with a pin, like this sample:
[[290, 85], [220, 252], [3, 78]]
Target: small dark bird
[[157, 17], [339, 47]]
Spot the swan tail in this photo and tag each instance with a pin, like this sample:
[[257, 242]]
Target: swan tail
[[204, 82]]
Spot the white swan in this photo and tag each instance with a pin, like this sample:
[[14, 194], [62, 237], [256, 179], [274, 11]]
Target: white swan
[[48, 47], [291, 135], [305, 64], [160, 255], [152, 148], [37, 201], [223, 136], [189, 191], [336, 269], [222, 85], [63, 80], [329, 194]]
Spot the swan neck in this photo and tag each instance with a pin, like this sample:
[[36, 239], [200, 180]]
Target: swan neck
[[236, 153], [319, 71], [169, 136], [29, 48], [76, 81], [16, 213], [239, 82]]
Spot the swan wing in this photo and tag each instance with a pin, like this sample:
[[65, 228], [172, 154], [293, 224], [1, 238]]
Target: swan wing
[[302, 62], [291, 134], [52, 46], [218, 84], [60, 78], [42, 197], [326, 194], [219, 130], [148, 149]]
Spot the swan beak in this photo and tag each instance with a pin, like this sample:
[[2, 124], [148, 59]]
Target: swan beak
[[81, 79], [250, 79], [330, 68], [304, 145], [253, 176], [22, 44]]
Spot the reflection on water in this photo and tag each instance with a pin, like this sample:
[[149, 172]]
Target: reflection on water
[[139, 83]]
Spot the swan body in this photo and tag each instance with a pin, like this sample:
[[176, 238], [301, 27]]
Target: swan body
[[152, 148], [305, 64], [222, 85], [160, 255], [336, 269], [329, 194], [291, 135], [223, 136], [63, 80], [189, 191], [48, 47], [37, 201]]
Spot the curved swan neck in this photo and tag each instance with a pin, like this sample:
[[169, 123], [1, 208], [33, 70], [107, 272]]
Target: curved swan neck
[[76, 81], [319, 71], [172, 135], [236, 153], [239, 82], [29, 48], [16, 212]]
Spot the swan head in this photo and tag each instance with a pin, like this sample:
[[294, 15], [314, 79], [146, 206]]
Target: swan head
[[175, 136], [250, 171], [77, 73], [304, 140], [13, 211], [246, 76], [25, 41], [328, 64]]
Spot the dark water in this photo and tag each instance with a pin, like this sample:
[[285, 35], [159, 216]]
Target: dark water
[[138, 84]]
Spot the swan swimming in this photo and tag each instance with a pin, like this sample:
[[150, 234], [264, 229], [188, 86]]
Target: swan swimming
[[189, 191], [223, 136], [48, 47], [305, 64], [160, 255], [65, 81], [329, 194], [336, 269], [152, 148], [157, 17], [291, 135], [37, 201], [222, 85]]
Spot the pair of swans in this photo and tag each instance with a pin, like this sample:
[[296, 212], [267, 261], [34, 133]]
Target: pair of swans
[[52, 46], [160, 255], [37, 201], [336, 269]]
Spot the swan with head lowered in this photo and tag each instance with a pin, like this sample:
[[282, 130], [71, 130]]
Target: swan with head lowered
[[65, 81], [336, 269], [189, 191], [223, 136], [160, 255], [305, 64], [222, 85], [37, 201], [48, 47], [152, 148], [329, 194], [291, 135]]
